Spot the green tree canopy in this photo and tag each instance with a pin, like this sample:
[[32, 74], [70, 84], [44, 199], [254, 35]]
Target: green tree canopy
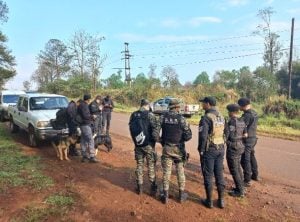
[[7, 61], [202, 78]]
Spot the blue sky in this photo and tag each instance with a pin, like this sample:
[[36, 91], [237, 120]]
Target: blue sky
[[192, 35]]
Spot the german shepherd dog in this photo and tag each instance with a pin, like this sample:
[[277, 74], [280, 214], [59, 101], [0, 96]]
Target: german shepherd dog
[[61, 146]]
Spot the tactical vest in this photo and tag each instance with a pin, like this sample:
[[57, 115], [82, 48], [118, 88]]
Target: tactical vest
[[236, 129], [171, 129], [216, 137]]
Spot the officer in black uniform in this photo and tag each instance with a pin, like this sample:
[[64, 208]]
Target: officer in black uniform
[[96, 111], [248, 161], [211, 150], [235, 132]]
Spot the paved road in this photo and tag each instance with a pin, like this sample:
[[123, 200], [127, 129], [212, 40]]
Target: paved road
[[278, 159]]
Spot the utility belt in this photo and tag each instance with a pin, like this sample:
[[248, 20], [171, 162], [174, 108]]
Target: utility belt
[[212, 146]]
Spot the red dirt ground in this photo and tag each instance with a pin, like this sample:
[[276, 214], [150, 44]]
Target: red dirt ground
[[105, 191]]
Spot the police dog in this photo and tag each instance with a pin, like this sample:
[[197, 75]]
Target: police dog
[[61, 146]]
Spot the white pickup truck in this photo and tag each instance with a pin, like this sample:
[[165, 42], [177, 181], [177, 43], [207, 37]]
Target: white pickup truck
[[33, 113], [162, 105], [8, 98]]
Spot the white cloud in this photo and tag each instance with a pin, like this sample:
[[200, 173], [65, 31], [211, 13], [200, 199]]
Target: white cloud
[[159, 38], [294, 11], [170, 23], [190, 22], [237, 2], [269, 2], [197, 21]]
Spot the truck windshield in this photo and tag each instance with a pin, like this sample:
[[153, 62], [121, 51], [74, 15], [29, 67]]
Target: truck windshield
[[45, 103], [10, 98]]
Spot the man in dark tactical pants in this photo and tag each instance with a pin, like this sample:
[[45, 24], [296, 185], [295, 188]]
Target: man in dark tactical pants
[[175, 131], [248, 160], [96, 111], [235, 132], [108, 106], [142, 124], [211, 150], [72, 125]]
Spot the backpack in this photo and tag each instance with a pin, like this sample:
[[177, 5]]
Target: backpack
[[61, 119], [139, 128], [216, 136]]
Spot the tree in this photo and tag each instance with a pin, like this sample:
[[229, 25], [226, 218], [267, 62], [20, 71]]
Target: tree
[[272, 53], [170, 77], [3, 12], [202, 78], [7, 61], [151, 73], [26, 85], [265, 82], [56, 58], [226, 78], [85, 50], [246, 83], [115, 81], [41, 75], [283, 80], [95, 60]]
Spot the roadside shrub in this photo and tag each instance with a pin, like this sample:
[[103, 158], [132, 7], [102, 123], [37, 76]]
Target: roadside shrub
[[282, 106]]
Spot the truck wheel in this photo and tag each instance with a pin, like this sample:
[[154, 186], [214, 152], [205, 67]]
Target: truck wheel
[[13, 127], [33, 141]]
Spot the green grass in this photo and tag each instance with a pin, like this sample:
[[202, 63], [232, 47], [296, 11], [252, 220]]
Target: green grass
[[55, 206], [124, 109], [17, 169], [60, 200]]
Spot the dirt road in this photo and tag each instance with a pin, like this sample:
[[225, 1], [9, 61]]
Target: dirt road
[[278, 159], [106, 191]]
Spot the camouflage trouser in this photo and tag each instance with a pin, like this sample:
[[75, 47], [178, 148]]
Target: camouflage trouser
[[172, 154], [140, 154]]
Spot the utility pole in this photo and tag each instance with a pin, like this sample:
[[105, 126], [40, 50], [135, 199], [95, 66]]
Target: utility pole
[[127, 64], [291, 60]]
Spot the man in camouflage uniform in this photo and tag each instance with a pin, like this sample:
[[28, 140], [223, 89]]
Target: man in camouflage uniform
[[149, 121], [175, 131]]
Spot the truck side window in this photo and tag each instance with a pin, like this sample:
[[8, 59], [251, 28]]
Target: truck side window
[[160, 101], [25, 103], [167, 101], [20, 102]]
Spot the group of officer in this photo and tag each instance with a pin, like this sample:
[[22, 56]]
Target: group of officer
[[172, 131], [92, 118]]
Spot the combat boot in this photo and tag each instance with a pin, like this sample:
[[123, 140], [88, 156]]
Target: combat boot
[[94, 160], [182, 196], [153, 189], [165, 196], [139, 189], [208, 201], [221, 202]]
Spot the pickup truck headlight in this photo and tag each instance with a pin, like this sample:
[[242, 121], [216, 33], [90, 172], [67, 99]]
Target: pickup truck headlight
[[43, 124]]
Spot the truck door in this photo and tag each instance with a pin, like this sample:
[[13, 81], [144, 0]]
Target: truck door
[[23, 113]]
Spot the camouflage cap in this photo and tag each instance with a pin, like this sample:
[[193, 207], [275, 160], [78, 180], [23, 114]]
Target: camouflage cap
[[174, 103]]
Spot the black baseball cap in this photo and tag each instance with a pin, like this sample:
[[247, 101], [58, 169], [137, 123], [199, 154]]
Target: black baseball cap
[[243, 102], [233, 107], [210, 100], [87, 97]]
